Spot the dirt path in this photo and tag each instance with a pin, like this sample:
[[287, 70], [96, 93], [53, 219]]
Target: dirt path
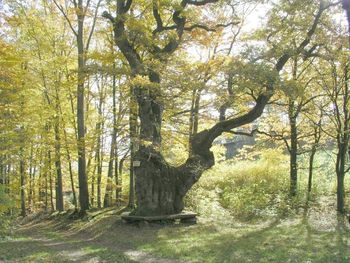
[[104, 239]]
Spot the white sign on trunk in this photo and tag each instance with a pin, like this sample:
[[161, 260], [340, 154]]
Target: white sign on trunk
[[136, 163]]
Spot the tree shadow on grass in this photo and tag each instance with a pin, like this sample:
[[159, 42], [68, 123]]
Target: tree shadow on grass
[[107, 239], [32, 250], [102, 239], [293, 241]]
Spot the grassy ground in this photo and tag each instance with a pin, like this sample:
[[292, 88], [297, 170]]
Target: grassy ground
[[312, 236]]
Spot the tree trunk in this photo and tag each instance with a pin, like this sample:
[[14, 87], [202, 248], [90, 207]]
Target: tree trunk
[[340, 193], [340, 171], [8, 180], [83, 184], [50, 182], [194, 117], [47, 184], [160, 188], [120, 179], [311, 168], [70, 168], [58, 166], [293, 157], [92, 193], [30, 192], [317, 138], [23, 182], [112, 155], [293, 112], [116, 176], [99, 175], [133, 146]]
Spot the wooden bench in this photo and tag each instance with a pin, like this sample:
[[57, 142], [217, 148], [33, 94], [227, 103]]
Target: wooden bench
[[184, 217]]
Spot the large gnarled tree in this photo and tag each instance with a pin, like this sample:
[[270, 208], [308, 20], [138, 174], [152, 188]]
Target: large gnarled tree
[[160, 187]]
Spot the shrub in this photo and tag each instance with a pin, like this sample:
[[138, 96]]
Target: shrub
[[247, 189]]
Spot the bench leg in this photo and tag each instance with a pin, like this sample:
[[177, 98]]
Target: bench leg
[[192, 220]]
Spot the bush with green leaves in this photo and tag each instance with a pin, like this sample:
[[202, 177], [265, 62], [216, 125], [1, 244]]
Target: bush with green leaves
[[246, 189]]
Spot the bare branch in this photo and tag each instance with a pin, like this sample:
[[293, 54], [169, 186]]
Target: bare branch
[[93, 26], [60, 7], [206, 28], [200, 3]]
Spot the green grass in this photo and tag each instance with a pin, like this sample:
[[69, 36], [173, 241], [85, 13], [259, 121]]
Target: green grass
[[315, 237], [276, 242]]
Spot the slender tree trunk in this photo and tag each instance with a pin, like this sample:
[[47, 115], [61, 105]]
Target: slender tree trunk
[[92, 193], [120, 179], [343, 138], [46, 182], [311, 169], [30, 192], [116, 176], [2, 171], [293, 157], [133, 147], [194, 116], [99, 176], [293, 151], [58, 166], [340, 193], [317, 138], [22, 182], [59, 188], [112, 155], [33, 193], [69, 159], [340, 171], [83, 184], [50, 182], [99, 179], [71, 175], [8, 182], [99, 162], [223, 108]]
